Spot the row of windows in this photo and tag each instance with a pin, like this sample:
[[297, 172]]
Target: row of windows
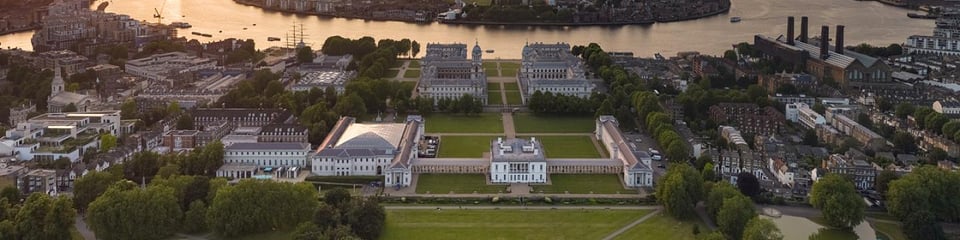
[[358, 160], [354, 168], [268, 162], [285, 153]]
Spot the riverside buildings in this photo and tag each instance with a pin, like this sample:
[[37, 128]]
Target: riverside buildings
[[71, 24], [552, 68], [446, 73], [944, 41], [162, 66]]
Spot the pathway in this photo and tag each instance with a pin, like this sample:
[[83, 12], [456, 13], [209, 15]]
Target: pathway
[[631, 225], [598, 146], [488, 207], [508, 130], [502, 134], [81, 226]]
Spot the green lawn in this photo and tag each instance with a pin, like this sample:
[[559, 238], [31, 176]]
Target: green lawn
[[492, 72], [464, 146], [662, 227], [893, 231], [509, 65], [397, 64], [506, 224], [411, 73], [75, 235], [583, 184], [511, 86], [494, 98], [392, 73], [414, 64], [568, 146], [275, 235], [530, 123], [493, 86], [460, 123], [457, 183], [513, 98], [489, 65]]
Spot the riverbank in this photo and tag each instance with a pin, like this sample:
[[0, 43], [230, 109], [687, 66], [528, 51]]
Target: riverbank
[[723, 9], [18, 30]]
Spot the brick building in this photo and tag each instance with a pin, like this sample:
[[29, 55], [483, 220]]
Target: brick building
[[748, 117]]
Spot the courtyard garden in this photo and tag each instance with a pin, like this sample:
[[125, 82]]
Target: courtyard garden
[[494, 98], [513, 97], [456, 183], [506, 224], [464, 146], [411, 73], [568, 146], [533, 123], [459, 123], [583, 184]]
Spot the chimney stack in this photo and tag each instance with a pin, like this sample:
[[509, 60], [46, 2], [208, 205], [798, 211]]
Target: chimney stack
[[839, 46], [803, 29], [790, 30], [824, 42]]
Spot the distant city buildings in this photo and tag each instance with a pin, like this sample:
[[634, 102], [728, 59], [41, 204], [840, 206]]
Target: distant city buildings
[[748, 117], [325, 71], [71, 24], [944, 41], [552, 68], [446, 73], [803, 114], [61, 135], [163, 66]]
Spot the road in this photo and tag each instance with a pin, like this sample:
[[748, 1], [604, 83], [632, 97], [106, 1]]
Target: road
[[489, 207], [81, 226]]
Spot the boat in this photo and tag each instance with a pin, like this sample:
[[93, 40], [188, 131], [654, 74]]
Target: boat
[[489, 51], [254, 24], [922, 16], [735, 19], [206, 35], [271, 39], [244, 28], [196, 33], [180, 25]]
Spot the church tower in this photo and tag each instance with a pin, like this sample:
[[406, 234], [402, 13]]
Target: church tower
[[477, 62], [57, 85]]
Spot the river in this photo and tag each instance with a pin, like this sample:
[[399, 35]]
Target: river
[[869, 22]]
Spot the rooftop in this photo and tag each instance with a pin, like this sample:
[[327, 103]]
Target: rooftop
[[516, 150], [268, 146]]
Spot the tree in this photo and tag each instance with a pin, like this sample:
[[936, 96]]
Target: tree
[[904, 142], [87, 188], [924, 197], [308, 231], [838, 201], [708, 173], [337, 197], [11, 194], [142, 167], [368, 219], [415, 48], [305, 55], [125, 211], [819, 108], [245, 209], [173, 108], [129, 109], [69, 108], [903, 110], [734, 215], [712, 236], [720, 192], [195, 219], [185, 122], [810, 138], [748, 184], [680, 190], [107, 142], [934, 122], [922, 225], [883, 180], [761, 229], [42, 217]]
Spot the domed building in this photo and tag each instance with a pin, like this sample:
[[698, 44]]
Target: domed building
[[447, 73]]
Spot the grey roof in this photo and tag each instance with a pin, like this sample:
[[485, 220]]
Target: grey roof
[[516, 150], [409, 142], [268, 146], [356, 152], [379, 136], [633, 159]]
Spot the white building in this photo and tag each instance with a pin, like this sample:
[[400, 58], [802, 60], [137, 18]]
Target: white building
[[267, 154], [59, 98], [161, 66], [447, 73], [552, 68], [381, 149], [54, 135], [949, 107], [517, 161], [802, 113], [636, 163]]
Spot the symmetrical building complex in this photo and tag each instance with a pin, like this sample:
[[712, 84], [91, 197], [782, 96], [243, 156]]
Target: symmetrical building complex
[[446, 73], [552, 68]]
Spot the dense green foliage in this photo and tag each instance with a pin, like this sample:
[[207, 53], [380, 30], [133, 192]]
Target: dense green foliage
[[90, 186], [660, 125], [126, 211], [761, 229], [39, 217], [922, 198], [254, 206], [838, 201], [680, 190], [720, 192], [734, 215], [549, 102]]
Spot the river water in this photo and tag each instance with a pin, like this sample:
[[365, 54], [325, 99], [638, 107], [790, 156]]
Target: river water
[[869, 22]]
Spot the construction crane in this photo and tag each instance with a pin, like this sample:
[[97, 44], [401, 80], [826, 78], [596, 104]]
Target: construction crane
[[157, 14]]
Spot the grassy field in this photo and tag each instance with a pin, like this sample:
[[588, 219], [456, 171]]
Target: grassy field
[[492, 72], [508, 72], [893, 231], [414, 64], [511, 86], [464, 146], [583, 184], [392, 73], [501, 224], [493, 86], [509, 65], [530, 123], [411, 73], [662, 227], [513, 98], [459, 123], [568, 146], [457, 183], [494, 98]]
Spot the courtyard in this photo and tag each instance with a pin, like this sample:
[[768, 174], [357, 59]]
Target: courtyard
[[583, 184], [568, 146], [533, 123], [460, 123], [456, 183], [506, 224], [464, 146]]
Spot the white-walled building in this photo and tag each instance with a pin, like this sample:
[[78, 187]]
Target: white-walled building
[[268, 154], [636, 163], [446, 72], [385, 149], [802, 113], [54, 135], [552, 68], [949, 107], [517, 161], [160, 66]]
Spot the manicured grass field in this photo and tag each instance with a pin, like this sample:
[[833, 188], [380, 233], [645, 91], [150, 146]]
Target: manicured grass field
[[509, 65], [414, 64], [893, 231], [530, 123], [392, 73], [464, 146], [494, 98], [491, 72], [583, 184], [568, 146], [510, 86], [493, 86], [489, 65], [457, 183], [411, 73], [662, 227], [459, 123], [506, 224], [513, 98], [508, 72], [397, 64]]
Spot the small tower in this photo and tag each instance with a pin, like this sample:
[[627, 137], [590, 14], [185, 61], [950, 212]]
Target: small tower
[[477, 53], [56, 86]]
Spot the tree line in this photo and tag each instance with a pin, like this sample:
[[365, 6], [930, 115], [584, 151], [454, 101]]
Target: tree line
[[660, 126]]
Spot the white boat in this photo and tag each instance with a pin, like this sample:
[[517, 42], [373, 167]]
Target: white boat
[[735, 19]]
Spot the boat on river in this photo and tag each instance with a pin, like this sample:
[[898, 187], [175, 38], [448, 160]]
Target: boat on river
[[735, 19]]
